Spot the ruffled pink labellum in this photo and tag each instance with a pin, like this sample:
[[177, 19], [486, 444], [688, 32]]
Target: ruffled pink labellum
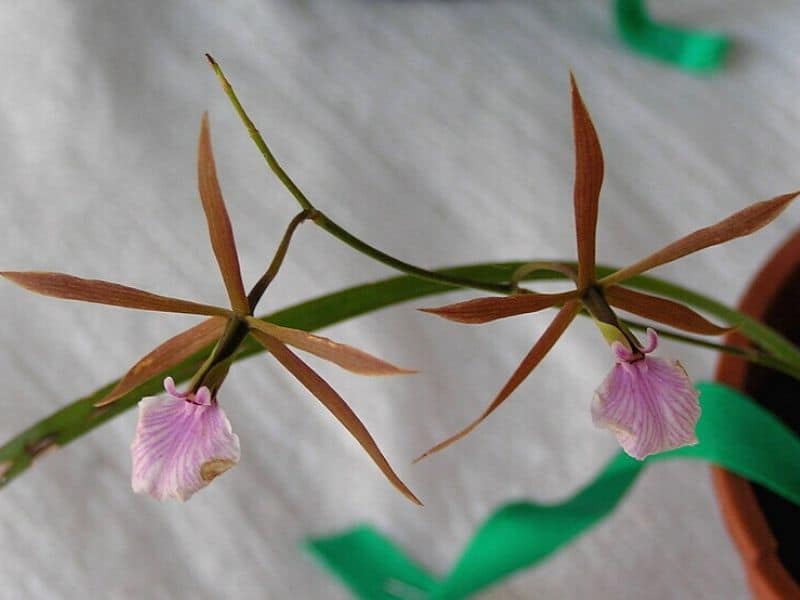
[[183, 441], [648, 403]]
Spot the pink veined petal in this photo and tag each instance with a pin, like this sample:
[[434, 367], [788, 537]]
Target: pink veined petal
[[649, 404], [182, 443]]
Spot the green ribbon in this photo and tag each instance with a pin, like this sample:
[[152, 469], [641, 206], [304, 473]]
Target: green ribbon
[[734, 432], [687, 49]]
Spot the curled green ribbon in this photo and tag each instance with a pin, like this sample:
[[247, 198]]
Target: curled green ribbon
[[734, 432], [687, 49]]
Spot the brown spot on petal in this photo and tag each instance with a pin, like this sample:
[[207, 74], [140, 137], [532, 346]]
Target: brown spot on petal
[[214, 468]]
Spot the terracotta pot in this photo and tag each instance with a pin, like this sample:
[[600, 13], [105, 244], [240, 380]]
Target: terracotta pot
[[763, 525]]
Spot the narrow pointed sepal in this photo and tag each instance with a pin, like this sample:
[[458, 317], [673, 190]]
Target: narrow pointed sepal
[[331, 400], [540, 349], [588, 181], [663, 310], [742, 223], [484, 310], [182, 443], [649, 403], [219, 225], [69, 287], [347, 357], [172, 352]]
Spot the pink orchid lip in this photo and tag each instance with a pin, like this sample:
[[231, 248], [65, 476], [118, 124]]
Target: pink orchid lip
[[183, 441], [649, 403]]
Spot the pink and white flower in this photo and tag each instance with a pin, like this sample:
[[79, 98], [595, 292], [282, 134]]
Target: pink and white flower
[[649, 403], [183, 442]]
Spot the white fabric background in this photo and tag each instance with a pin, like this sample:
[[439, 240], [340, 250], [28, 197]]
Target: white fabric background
[[439, 131]]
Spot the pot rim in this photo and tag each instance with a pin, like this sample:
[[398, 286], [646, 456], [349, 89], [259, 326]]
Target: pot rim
[[768, 578]]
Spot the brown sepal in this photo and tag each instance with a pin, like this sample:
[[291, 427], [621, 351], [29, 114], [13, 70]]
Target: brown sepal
[[219, 224], [172, 352], [533, 358], [69, 287], [484, 310], [739, 224], [663, 311], [349, 358], [588, 181], [335, 404]]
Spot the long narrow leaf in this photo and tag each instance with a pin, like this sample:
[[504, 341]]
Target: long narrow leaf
[[533, 358], [172, 352], [349, 358], [588, 181], [80, 416], [331, 400], [746, 221], [662, 310], [69, 287], [219, 224], [484, 310]]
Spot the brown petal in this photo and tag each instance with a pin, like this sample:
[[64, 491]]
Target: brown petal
[[219, 225], [69, 287], [483, 310], [588, 180], [744, 222], [347, 357], [175, 350], [334, 403], [662, 310], [534, 357]]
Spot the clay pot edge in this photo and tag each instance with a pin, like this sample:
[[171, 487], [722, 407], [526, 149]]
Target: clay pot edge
[[748, 527]]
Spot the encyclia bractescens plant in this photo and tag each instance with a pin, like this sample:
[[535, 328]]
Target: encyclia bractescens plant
[[649, 403], [184, 440]]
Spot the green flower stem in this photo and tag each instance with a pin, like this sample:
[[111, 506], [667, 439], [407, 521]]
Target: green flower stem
[[262, 284], [80, 417], [594, 301], [213, 371], [326, 223], [460, 282], [256, 136]]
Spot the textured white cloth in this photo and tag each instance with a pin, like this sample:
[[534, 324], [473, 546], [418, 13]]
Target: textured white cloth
[[439, 131]]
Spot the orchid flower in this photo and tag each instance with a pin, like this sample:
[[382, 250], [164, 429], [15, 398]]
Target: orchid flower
[[183, 439], [182, 443], [648, 402]]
